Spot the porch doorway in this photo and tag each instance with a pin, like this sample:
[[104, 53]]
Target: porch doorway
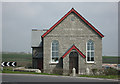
[[73, 61]]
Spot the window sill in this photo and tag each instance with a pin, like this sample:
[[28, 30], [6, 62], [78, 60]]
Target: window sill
[[90, 62]]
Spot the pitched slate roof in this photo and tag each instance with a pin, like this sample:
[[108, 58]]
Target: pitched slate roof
[[74, 47], [82, 18], [36, 40]]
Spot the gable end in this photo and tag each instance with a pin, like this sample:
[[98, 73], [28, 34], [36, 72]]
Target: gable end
[[74, 47], [82, 18]]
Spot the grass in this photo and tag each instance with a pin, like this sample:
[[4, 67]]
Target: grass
[[21, 59], [20, 72], [102, 76], [110, 59], [16, 57]]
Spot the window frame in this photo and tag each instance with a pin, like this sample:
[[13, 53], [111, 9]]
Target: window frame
[[90, 52], [52, 51]]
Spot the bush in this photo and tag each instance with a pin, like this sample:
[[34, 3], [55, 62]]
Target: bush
[[8, 68], [94, 71], [110, 71], [58, 71], [29, 65]]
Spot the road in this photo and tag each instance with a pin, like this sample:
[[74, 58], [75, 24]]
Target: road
[[48, 78]]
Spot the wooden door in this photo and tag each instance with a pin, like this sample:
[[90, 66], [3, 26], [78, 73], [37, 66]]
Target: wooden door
[[40, 64], [73, 62]]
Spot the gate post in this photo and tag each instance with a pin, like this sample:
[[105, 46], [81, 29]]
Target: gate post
[[74, 72], [88, 71]]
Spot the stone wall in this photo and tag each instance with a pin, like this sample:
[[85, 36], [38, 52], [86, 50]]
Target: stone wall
[[72, 30]]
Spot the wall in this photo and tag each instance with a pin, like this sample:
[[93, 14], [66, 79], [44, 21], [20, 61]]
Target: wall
[[71, 31]]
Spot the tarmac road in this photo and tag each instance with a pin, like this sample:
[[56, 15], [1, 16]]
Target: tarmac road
[[49, 78]]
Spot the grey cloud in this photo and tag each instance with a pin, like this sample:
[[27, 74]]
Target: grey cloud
[[20, 18]]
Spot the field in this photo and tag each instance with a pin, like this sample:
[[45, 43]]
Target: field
[[111, 59], [21, 59], [26, 59]]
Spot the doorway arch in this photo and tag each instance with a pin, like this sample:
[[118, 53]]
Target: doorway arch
[[73, 61]]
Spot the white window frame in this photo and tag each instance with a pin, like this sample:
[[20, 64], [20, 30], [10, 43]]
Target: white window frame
[[52, 51], [90, 52]]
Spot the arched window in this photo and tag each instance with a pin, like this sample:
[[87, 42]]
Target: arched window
[[55, 51], [90, 51]]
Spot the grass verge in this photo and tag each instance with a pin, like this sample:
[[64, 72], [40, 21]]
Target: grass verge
[[19, 72], [102, 76]]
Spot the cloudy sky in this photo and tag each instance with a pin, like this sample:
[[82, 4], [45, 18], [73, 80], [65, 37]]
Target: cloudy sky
[[18, 19]]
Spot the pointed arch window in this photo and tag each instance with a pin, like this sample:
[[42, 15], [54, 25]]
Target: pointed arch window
[[90, 51], [55, 51]]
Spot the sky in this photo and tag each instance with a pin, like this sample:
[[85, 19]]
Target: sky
[[18, 19]]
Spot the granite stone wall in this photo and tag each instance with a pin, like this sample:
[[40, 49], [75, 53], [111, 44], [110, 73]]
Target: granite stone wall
[[72, 30]]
